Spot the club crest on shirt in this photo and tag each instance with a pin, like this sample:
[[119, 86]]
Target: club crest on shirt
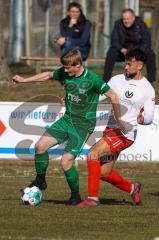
[[129, 94], [82, 91]]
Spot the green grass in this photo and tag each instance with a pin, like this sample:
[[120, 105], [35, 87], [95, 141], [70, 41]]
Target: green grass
[[116, 217]]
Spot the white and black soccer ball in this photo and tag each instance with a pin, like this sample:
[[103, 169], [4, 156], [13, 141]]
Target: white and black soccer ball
[[31, 196]]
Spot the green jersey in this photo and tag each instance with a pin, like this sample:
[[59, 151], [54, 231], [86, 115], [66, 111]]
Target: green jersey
[[82, 95]]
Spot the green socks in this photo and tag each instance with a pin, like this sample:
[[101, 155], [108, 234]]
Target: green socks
[[41, 162], [41, 165], [72, 179]]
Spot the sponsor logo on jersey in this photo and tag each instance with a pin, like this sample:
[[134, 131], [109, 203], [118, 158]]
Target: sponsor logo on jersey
[[129, 94], [74, 98]]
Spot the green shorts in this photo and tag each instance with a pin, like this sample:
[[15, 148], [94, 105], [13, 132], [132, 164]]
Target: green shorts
[[75, 134]]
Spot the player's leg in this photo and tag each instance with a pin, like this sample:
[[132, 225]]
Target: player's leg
[[94, 168], [55, 134], [110, 145], [42, 159], [118, 142], [114, 178], [72, 177], [76, 140], [94, 172]]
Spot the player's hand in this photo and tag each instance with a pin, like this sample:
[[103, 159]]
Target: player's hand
[[63, 101], [18, 79], [140, 119], [60, 41]]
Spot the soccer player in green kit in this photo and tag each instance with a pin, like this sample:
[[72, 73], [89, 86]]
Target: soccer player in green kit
[[83, 88]]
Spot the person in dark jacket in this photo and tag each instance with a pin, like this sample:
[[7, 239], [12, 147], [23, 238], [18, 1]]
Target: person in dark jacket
[[75, 31], [129, 32]]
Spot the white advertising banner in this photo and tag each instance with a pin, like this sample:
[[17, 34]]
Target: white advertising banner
[[22, 124]]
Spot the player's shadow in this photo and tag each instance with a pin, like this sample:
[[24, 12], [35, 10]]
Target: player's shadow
[[112, 201], [47, 201], [103, 201], [53, 201], [9, 199], [156, 194]]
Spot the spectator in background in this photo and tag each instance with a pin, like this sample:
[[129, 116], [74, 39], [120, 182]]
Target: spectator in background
[[129, 31], [75, 31]]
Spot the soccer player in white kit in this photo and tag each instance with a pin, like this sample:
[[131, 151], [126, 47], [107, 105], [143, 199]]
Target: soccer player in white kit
[[137, 101]]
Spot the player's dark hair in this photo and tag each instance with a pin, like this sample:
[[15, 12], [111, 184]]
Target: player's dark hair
[[71, 58], [128, 10], [136, 53]]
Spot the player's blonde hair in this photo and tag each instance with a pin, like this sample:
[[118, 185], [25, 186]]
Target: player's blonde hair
[[71, 58]]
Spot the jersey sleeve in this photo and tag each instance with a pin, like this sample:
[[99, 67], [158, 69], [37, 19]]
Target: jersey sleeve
[[110, 84], [149, 107], [100, 86], [59, 74]]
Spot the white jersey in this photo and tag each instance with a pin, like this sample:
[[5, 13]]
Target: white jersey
[[135, 95]]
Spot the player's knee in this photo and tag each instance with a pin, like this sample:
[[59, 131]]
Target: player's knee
[[39, 148], [66, 164], [105, 173], [93, 154]]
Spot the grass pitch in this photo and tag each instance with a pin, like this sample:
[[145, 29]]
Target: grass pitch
[[116, 217]]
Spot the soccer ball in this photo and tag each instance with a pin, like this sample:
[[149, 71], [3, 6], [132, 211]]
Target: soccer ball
[[31, 196]]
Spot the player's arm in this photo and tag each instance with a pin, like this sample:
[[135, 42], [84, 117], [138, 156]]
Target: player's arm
[[111, 94], [102, 98], [63, 101], [107, 90], [41, 77], [145, 117], [115, 103]]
